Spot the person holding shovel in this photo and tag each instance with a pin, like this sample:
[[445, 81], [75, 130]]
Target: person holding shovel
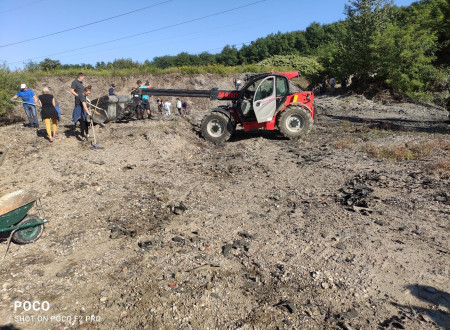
[[48, 104], [82, 114], [29, 100]]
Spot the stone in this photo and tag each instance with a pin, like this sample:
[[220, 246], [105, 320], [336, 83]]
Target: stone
[[340, 246]]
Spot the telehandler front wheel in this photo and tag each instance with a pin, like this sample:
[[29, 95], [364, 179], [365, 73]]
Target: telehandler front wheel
[[294, 122], [217, 127]]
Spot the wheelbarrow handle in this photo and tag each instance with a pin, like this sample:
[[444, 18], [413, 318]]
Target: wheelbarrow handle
[[28, 225]]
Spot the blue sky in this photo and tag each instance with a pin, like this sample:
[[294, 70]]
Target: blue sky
[[141, 30]]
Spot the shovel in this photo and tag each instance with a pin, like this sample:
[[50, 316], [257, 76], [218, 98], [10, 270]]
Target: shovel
[[36, 105], [94, 146]]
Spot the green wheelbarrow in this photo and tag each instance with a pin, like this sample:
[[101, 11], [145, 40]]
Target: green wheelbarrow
[[23, 228]]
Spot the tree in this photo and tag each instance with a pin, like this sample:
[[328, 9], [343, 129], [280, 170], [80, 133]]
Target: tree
[[100, 65], [206, 58], [124, 63], [228, 56], [315, 35], [407, 49], [48, 64], [365, 18], [164, 62]]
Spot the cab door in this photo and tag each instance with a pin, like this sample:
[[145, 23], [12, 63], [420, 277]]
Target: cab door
[[265, 100]]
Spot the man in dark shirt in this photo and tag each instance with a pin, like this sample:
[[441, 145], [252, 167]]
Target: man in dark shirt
[[111, 91], [76, 88]]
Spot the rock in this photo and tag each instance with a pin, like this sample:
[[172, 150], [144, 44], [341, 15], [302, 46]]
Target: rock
[[340, 246], [145, 245], [65, 272], [226, 248], [289, 305], [245, 235], [351, 314], [379, 222]]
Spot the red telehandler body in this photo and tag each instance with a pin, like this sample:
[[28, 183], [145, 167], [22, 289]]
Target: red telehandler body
[[265, 102]]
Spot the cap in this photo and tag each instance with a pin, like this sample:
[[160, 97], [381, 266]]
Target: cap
[[113, 85], [22, 86]]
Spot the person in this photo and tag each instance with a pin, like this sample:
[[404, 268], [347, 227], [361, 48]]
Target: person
[[145, 105], [332, 84], [76, 88], [29, 100], [160, 104], [134, 91], [167, 106], [178, 105], [82, 113], [184, 105], [48, 104], [323, 86], [344, 82], [112, 91]]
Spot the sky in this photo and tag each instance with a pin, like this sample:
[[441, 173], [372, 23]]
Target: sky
[[91, 31]]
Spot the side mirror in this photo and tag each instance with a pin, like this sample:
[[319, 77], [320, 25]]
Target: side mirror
[[237, 83]]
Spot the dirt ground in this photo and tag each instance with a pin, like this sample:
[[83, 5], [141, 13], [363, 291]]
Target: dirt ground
[[347, 228]]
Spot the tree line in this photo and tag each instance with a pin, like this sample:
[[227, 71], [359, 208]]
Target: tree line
[[405, 48]]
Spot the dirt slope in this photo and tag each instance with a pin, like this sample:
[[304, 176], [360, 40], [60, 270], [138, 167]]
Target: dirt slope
[[161, 229]]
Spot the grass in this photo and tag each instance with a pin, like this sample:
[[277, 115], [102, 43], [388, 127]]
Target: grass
[[442, 164], [148, 69], [410, 150], [345, 143]]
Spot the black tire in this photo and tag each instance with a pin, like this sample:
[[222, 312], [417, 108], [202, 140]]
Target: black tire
[[295, 122], [217, 127], [30, 234]]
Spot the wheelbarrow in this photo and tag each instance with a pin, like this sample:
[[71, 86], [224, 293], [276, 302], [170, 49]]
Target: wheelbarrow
[[24, 228]]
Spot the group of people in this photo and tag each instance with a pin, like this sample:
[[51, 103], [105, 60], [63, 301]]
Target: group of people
[[164, 107], [81, 113], [329, 85], [50, 112], [49, 109]]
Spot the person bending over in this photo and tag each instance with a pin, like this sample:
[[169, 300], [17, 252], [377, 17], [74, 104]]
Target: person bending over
[[82, 113]]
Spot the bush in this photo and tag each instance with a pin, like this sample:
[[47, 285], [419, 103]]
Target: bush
[[10, 82], [309, 67]]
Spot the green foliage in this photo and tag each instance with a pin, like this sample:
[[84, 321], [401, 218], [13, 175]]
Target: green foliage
[[308, 66], [48, 64], [365, 18], [31, 66], [403, 57], [10, 82], [228, 56]]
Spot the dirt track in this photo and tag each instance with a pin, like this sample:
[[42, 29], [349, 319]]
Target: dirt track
[[161, 229]]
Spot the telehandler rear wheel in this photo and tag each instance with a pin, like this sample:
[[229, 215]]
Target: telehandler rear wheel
[[295, 122], [217, 127]]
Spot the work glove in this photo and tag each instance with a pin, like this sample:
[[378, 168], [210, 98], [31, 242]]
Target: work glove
[[89, 118], [12, 99]]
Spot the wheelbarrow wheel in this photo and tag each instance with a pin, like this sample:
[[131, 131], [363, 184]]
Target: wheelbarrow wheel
[[30, 234]]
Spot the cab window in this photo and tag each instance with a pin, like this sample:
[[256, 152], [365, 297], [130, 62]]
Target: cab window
[[282, 86], [265, 90]]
